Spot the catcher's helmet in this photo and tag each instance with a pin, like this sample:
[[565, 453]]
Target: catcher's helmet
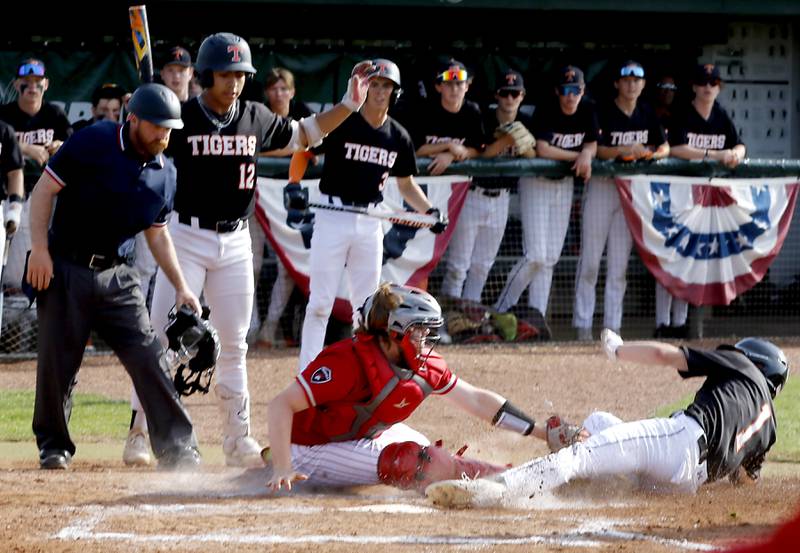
[[417, 307], [223, 52], [769, 358], [157, 104]]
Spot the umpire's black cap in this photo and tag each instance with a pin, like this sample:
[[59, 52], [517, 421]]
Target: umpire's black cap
[[157, 104]]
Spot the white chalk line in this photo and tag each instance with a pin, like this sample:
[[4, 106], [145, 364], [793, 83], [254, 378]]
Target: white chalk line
[[590, 534]]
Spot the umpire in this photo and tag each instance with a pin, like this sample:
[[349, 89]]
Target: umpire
[[111, 181]]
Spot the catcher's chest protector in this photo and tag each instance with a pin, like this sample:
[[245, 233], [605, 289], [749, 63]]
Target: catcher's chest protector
[[395, 394]]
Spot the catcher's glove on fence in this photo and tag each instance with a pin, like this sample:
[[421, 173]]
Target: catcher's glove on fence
[[523, 139], [610, 341], [561, 434]]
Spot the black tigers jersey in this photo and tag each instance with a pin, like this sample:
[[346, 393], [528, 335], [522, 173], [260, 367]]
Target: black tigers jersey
[[49, 124], [734, 408], [359, 158], [217, 162], [490, 124], [568, 132], [10, 155], [618, 129], [716, 133], [433, 124]]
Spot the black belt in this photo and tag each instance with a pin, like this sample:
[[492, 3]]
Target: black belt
[[93, 261], [217, 226], [702, 446], [488, 192]]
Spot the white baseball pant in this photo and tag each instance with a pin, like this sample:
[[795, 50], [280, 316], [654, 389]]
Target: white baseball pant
[[351, 463], [18, 250], [342, 243], [545, 205], [602, 225], [670, 311], [663, 453], [474, 244], [281, 289]]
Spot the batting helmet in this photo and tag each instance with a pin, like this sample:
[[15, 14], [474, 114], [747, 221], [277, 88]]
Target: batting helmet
[[223, 52], [193, 350], [157, 104], [770, 360], [389, 70]]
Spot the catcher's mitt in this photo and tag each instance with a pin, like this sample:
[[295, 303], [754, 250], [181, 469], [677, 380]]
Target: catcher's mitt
[[523, 139], [561, 434]]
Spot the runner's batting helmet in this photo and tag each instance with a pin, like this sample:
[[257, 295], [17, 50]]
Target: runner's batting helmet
[[157, 104], [769, 358], [389, 70], [222, 52]]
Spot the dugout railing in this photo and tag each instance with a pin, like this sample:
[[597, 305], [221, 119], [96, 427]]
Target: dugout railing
[[770, 308]]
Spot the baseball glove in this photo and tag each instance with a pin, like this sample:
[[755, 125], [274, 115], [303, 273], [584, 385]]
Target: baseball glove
[[523, 139], [561, 434]]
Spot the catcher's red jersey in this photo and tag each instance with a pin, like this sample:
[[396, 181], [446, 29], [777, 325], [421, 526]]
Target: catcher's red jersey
[[354, 392]]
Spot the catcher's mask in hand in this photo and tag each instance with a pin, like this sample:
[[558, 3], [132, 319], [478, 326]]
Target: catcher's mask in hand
[[193, 350]]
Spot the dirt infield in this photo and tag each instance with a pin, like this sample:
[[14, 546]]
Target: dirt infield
[[99, 505]]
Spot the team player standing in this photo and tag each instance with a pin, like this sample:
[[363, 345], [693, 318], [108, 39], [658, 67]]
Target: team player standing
[[215, 154]]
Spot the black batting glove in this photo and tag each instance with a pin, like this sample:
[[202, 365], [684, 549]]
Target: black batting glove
[[295, 197], [441, 223]]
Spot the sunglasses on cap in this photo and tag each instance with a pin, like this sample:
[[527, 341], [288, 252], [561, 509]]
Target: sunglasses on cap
[[667, 86], [35, 69], [506, 92], [632, 71], [453, 75], [570, 89]]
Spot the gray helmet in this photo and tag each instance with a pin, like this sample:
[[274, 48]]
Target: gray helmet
[[224, 52], [417, 307], [157, 104], [389, 70], [769, 358]]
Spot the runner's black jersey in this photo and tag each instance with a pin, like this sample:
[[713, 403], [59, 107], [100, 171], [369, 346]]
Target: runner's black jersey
[[359, 158], [735, 409], [217, 166], [716, 133], [568, 132], [642, 127], [435, 125]]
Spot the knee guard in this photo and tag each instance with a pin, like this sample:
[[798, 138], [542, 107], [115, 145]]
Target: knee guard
[[409, 465]]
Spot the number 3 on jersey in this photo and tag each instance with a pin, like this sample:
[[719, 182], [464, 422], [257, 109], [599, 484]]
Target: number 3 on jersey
[[247, 176]]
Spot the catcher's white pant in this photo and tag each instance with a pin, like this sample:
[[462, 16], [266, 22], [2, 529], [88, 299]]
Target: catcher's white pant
[[283, 286], [474, 244], [602, 223], [342, 242], [662, 452], [351, 463], [18, 250], [670, 311], [545, 205], [220, 266]]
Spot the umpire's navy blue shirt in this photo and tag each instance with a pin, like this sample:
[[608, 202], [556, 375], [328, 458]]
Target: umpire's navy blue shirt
[[109, 192]]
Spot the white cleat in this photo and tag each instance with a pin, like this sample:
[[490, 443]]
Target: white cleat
[[137, 449], [464, 494], [242, 451]]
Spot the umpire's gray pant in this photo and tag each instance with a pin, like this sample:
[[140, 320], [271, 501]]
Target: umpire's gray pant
[[78, 300]]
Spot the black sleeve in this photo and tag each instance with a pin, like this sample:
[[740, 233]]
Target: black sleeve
[[592, 124], [475, 133], [406, 164], [11, 155], [678, 131], [732, 137], [542, 125], [277, 130], [62, 126]]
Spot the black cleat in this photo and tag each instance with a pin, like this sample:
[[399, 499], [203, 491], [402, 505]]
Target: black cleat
[[54, 460]]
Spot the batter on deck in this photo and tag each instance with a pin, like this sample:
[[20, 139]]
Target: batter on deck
[[725, 432], [215, 154]]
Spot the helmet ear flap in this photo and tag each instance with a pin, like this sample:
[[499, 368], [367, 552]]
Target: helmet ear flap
[[396, 93]]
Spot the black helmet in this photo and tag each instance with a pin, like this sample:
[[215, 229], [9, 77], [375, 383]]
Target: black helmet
[[224, 52], [157, 104], [769, 358], [389, 70]]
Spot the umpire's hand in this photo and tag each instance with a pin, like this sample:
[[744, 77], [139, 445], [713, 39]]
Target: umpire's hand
[[40, 268]]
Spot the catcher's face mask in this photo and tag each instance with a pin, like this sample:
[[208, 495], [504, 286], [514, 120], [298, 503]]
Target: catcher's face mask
[[416, 343]]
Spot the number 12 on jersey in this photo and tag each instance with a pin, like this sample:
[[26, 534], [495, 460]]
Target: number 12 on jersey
[[247, 176]]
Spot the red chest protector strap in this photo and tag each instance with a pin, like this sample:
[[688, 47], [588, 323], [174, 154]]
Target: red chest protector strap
[[383, 379]]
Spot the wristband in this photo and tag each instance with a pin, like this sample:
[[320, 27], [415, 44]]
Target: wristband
[[15, 198], [511, 418]]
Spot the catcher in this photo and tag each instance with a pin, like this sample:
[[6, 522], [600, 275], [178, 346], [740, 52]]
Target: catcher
[[340, 422], [725, 432]]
